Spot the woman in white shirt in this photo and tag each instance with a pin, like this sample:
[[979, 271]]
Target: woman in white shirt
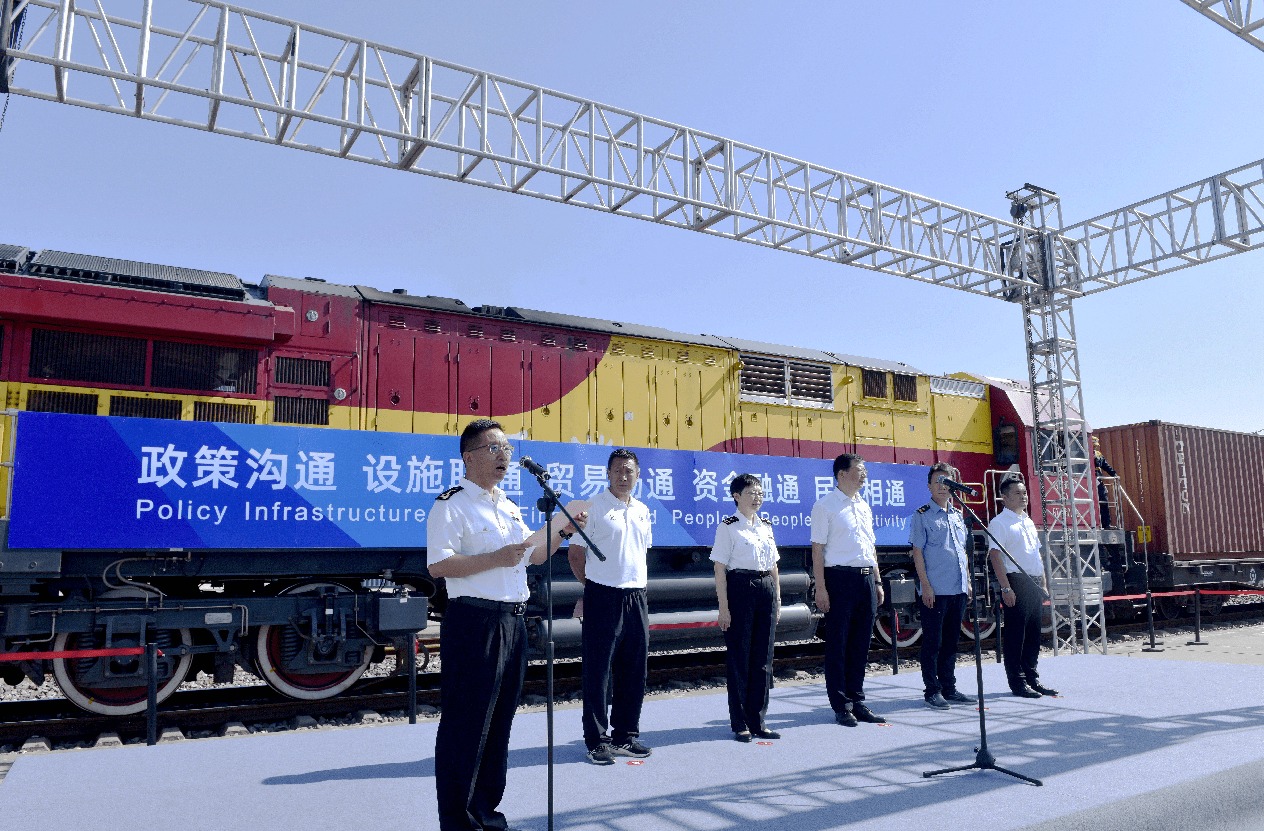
[[745, 557]]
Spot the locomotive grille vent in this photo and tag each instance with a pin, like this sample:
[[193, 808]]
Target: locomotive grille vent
[[617, 349], [78, 356], [195, 366], [682, 356], [508, 335], [763, 376], [811, 382], [290, 410], [956, 386], [711, 361], [51, 401], [432, 326], [218, 411], [647, 352], [579, 344], [302, 372], [905, 387], [548, 339], [130, 406], [777, 381], [476, 330], [396, 322], [874, 383]]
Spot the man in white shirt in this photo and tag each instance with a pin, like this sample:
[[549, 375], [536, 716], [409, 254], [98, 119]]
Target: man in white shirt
[[476, 540], [1021, 589], [848, 591], [615, 630]]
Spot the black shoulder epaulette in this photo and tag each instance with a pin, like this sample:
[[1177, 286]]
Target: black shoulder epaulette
[[924, 508], [730, 520], [448, 494]]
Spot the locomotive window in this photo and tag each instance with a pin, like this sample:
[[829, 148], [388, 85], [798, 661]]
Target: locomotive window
[[763, 376], [874, 383], [130, 406], [905, 387], [218, 411], [196, 366], [50, 401], [78, 356], [291, 410], [303, 372]]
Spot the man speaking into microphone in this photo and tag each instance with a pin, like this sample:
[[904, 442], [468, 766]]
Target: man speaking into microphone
[[938, 536]]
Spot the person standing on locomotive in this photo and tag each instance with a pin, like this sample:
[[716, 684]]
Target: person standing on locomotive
[[476, 540], [745, 556], [938, 536], [1020, 589], [615, 631], [848, 591]]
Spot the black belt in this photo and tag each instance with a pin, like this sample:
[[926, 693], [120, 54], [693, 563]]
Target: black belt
[[502, 606], [750, 572], [855, 569]]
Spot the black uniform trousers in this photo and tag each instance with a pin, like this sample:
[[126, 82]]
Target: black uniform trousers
[[853, 604], [749, 641], [1022, 631], [484, 653], [615, 650], [941, 628]]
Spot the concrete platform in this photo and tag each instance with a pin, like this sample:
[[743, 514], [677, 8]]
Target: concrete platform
[[1150, 744]]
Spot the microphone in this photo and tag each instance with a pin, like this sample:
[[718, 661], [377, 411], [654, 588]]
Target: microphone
[[958, 487], [532, 467]]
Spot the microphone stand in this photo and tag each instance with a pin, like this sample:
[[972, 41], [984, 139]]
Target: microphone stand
[[983, 759], [546, 504]]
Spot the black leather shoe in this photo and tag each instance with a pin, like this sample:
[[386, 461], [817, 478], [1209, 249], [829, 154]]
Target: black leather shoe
[[1043, 690], [957, 697], [845, 718], [765, 734], [741, 735], [863, 713], [1025, 692]]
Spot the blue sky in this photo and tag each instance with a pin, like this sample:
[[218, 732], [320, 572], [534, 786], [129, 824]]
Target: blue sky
[[1105, 103]]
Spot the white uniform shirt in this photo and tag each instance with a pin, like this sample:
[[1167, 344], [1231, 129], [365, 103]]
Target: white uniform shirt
[[741, 543], [1018, 534], [844, 525], [623, 533], [474, 521]]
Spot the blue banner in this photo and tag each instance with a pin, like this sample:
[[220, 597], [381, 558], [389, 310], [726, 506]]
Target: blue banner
[[133, 483]]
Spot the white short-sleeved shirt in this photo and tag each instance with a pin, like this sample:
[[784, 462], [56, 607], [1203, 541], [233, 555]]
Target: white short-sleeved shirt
[[469, 520], [624, 533], [844, 525], [743, 543], [1018, 534]]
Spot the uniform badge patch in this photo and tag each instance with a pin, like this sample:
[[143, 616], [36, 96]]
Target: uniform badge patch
[[449, 493]]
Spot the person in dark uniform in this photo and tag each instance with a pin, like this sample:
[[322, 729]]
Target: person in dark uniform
[[615, 631], [1103, 468], [1020, 589], [937, 533], [746, 583], [848, 591], [476, 540]]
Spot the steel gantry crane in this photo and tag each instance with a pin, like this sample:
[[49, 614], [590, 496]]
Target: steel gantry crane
[[225, 69]]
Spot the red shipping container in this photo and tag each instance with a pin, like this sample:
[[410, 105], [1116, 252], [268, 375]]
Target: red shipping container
[[1201, 491]]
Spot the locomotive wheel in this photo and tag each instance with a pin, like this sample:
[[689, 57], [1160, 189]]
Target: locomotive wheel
[[986, 630], [906, 636], [109, 699], [273, 642]]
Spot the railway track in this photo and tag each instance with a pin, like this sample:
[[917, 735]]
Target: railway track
[[207, 712]]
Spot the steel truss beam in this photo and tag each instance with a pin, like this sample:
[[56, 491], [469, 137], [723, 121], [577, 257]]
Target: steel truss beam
[[225, 69], [1242, 17], [1213, 218]]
